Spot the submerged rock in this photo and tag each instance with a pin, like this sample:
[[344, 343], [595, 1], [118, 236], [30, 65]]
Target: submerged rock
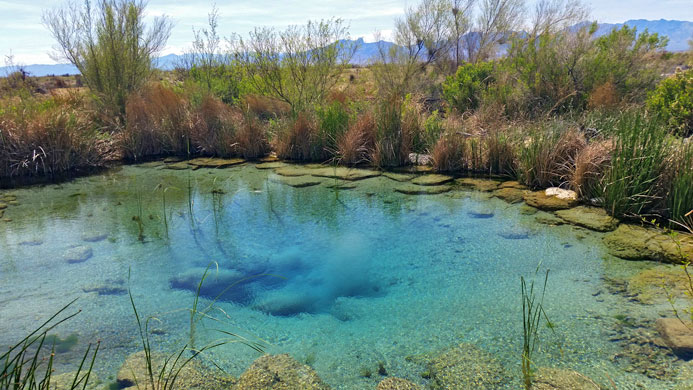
[[549, 219], [270, 165], [178, 166], [279, 372], [632, 242], [134, 374], [94, 237], [78, 254], [657, 283], [678, 336], [466, 367], [344, 173], [512, 184], [208, 162], [400, 177], [397, 384], [561, 379], [592, 218], [65, 381], [432, 180], [224, 284], [510, 194], [412, 189], [293, 171], [3, 206], [485, 185], [551, 199], [299, 181]]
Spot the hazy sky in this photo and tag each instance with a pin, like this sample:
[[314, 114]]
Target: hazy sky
[[28, 40]]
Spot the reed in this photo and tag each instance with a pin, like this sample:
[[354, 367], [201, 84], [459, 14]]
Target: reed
[[532, 314]]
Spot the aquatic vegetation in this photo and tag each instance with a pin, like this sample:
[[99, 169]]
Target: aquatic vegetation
[[25, 366], [532, 315]]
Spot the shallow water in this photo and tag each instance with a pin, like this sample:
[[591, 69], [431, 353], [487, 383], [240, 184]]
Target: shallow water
[[340, 279]]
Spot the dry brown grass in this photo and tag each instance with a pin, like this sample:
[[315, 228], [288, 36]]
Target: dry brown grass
[[450, 153], [588, 167], [48, 138], [214, 128], [548, 154], [158, 123], [265, 107], [604, 96], [296, 140], [358, 142], [500, 154], [252, 138]]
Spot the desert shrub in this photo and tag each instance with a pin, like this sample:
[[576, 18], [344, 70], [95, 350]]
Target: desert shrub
[[157, 123], [672, 101], [110, 45], [49, 138], [603, 96], [450, 153], [357, 143], [393, 142], [500, 154], [679, 197], [225, 81], [464, 90], [631, 184], [588, 167], [545, 160], [214, 131], [296, 140]]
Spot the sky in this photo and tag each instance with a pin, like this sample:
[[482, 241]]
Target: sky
[[29, 41]]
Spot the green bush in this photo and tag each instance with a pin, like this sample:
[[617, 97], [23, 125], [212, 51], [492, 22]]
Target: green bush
[[224, 81], [463, 91], [672, 101]]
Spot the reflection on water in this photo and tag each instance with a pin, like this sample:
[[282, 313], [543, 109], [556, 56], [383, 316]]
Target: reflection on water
[[345, 279]]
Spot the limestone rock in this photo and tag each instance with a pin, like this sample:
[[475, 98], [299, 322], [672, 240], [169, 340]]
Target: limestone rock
[[589, 217], [3, 206], [270, 165], [432, 180], [401, 177], [656, 283], [133, 374], [178, 166], [411, 189], [65, 381], [678, 336], [420, 159], [466, 367], [485, 185], [299, 181], [279, 372], [208, 162], [549, 219], [561, 379], [344, 173], [510, 194], [292, 171], [397, 384], [633, 242], [78, 254], [552, 199]]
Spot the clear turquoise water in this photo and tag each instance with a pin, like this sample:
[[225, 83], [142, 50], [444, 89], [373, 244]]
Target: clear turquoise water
[[340, 279]]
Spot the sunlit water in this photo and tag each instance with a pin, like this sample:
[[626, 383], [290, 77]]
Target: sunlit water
[[340, 279]]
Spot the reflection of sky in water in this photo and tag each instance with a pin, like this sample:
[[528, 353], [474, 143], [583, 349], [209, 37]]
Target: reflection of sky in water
[[345, 279]]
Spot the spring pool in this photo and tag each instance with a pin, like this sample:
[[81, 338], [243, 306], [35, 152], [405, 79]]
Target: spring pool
[[344, 276]]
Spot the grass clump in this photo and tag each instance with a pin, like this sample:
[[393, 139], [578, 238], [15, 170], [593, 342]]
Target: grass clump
[[532, 315]]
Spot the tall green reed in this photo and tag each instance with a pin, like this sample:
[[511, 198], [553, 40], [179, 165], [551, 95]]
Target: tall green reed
[[680, 194], [25, 366], [532, 314]]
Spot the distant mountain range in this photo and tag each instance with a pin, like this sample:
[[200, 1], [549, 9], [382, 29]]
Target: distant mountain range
[[679, 33]]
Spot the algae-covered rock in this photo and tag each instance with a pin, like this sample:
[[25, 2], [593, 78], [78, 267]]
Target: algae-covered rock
[[3, 206], [178, 166], [551, 199], [512, 184], [397, 384], [412, 189], [299, 181], [589, 217], [345, 173], [270, 165], [94, 237], [173, 159], [485, 185], [209, 162], [134, 374], [432, 180], [561, 379], [401, 177], [549, 219], [293, 171], [65, 381], [657, 283], [279, 372], [678, 336], [632, 242], [466, 367], [78, 254], [510, 194], [341, 185], [528, 210]]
